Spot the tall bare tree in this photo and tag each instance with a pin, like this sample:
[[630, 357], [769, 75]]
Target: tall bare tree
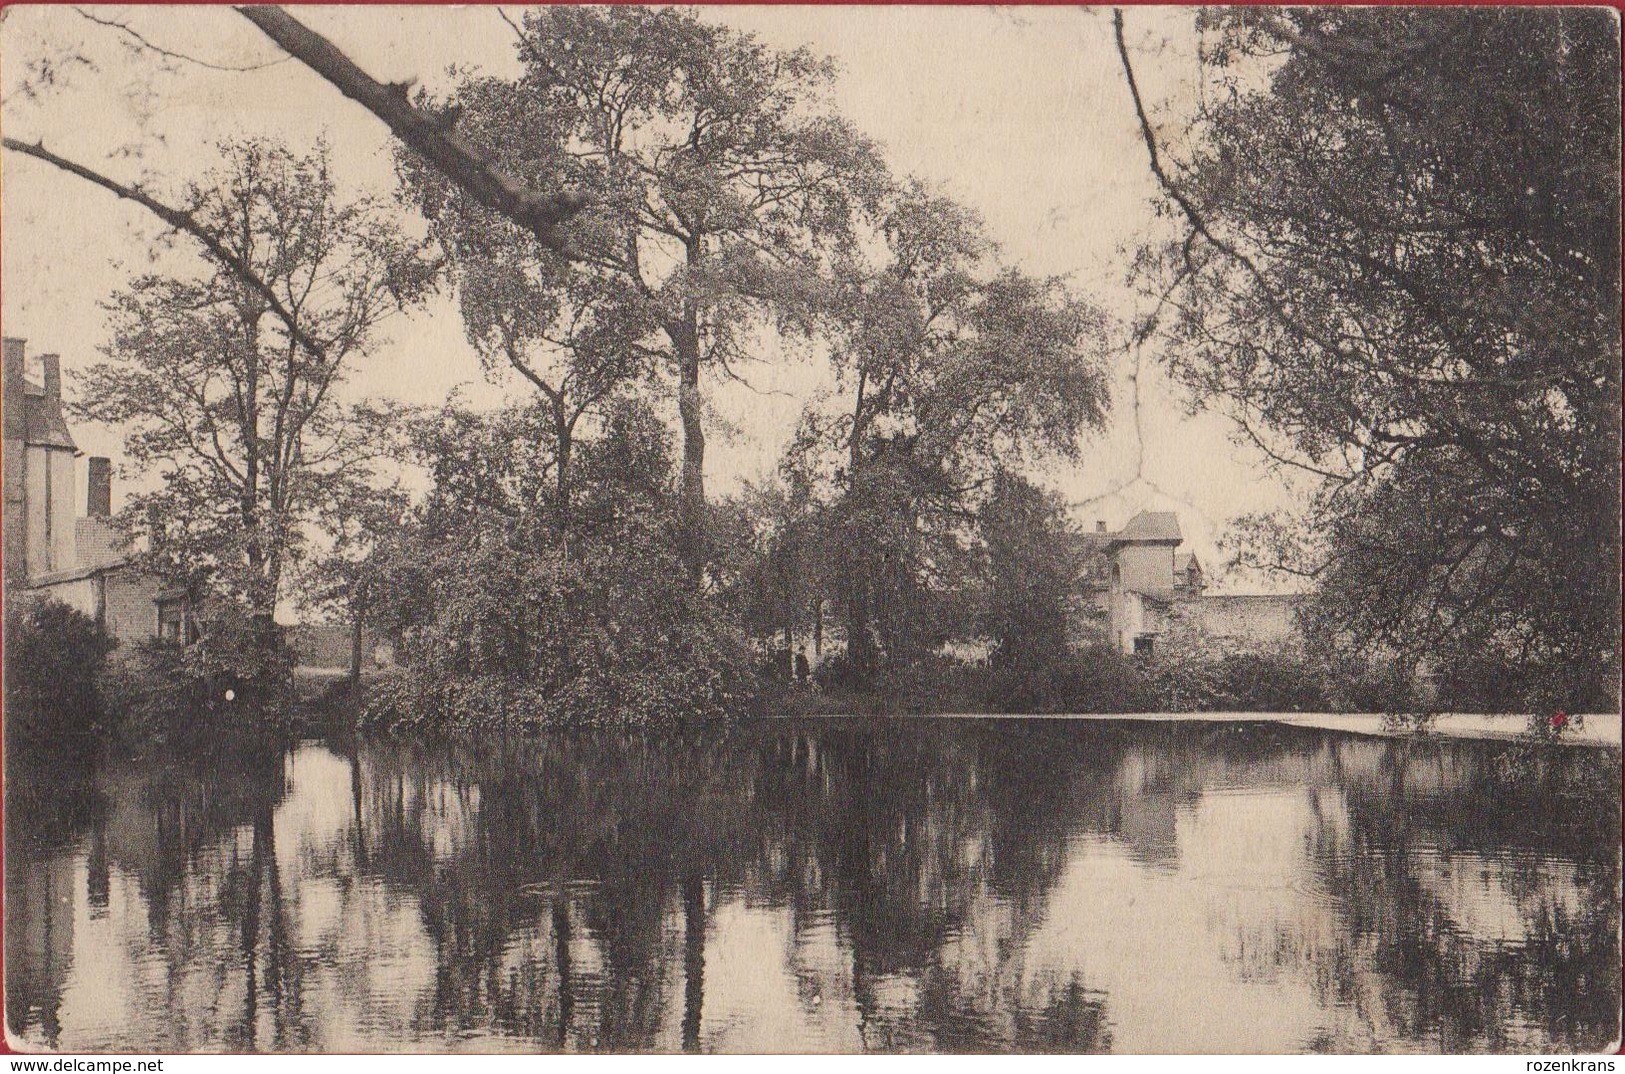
[[233, 407]]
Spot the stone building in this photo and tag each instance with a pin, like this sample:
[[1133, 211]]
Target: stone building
[[50, 550], [39, 483], [1139, 593]]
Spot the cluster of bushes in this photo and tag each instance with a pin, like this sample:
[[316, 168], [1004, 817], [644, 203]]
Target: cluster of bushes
[[596, 640], [70, 689], [1483, 682], [1097, 679], [54, 696], [513, 639], [517, 606], [1280, 682], [231, 681], [1100, 679], [932, 683]]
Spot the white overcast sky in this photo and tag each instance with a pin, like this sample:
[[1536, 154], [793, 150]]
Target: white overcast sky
[[1022, 113]]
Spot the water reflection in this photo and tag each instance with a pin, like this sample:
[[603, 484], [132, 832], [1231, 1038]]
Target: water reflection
[[826, 886]]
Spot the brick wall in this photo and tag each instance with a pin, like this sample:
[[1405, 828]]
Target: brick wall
[[37, 478], [96, 542], [1234, 623], [61, 553], [131, 606], [83, 595], [1146, 568], [15, 481], [15, 509], [125, 601]]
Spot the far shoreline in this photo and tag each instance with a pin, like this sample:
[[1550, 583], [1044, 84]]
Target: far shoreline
[[1598, 730]]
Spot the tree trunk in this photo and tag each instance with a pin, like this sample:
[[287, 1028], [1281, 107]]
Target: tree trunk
[[562, 498], [684, 333], [265, 631], [693, 960], [691, 502], [355, 650], [261, 595], [860, 649], [564, 445]]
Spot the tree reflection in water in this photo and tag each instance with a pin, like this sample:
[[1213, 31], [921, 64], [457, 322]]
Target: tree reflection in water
[[822, 885], [1540, 967]]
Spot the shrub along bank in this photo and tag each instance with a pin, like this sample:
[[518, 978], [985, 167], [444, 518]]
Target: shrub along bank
[[70, 691], [1099, 679], [639, 652]]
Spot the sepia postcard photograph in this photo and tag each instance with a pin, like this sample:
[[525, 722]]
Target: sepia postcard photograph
[[811, 529]]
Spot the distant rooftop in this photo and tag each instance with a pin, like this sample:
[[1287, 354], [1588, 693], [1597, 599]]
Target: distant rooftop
[[43, 421], [1150, 527]]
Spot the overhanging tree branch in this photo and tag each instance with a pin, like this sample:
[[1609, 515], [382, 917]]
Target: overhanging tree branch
[[1195, 217], [180, 221], [539, 214], [141, 41], [1267, 291]]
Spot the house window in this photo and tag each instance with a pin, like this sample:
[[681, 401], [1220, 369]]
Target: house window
[[1142, 646], [174, 624]]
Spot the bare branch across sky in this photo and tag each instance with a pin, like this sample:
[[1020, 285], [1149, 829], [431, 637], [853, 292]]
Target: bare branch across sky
[[537, 212]]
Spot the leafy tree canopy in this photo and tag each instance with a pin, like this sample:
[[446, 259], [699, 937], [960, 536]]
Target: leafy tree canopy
[[716, 182], [950, 367], [1401, 275]]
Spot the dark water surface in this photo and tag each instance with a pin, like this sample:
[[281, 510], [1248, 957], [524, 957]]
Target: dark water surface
[[827, 886]]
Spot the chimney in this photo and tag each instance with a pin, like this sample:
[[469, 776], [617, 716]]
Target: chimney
[[52, 365], [99, 490], [1100, 525], [11, 390]]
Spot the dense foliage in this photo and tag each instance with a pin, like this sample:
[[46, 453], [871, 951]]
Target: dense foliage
[[1401, 276], [1099, 679], [1030, 571], [1398, 273], [54, 656], [232, 684], [717, 178], [951, 368], [72, 693], [500, 627]]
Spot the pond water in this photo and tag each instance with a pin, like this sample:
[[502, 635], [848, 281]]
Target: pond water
[[916, 885]]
